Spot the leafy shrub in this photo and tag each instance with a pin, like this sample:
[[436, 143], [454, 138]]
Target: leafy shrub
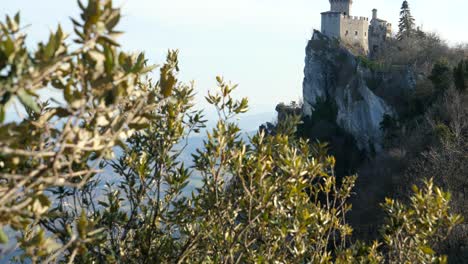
[[422, 224], [370, 64], [60, 143], [460, 75], [441, 76]]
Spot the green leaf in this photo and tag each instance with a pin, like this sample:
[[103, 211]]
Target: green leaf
[[80, 34], [50, 48], [3, 237], [82, 225], [37, 239], [59, 36], [44, 200], [2, 114], [137, 126], [12, 24], [167, 81], [28, 100], [113, 21], [76, 23], [68, 94], [427, 250], [80, 4], [62, 112], [139, 63], [109, 59], [109, 40], [6, 98], [9, 46], [17, 18]]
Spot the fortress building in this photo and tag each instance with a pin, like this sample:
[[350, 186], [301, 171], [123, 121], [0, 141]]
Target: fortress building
[[379, 31], [338, 23]]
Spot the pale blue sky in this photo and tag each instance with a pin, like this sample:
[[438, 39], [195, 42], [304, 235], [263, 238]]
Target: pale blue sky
[[258, 44]]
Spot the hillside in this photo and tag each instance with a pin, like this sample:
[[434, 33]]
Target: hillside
[[394, 119]]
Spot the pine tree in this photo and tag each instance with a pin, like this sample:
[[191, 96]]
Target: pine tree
[[460, 75], [406, 24], [442, 76]]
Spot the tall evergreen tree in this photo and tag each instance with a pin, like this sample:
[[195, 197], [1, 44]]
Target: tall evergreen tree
[[442, 76], [406, 24], [460, 75]]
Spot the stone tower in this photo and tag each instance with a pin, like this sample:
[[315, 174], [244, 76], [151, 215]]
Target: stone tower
[[341, 6], [379, 31], [338, 23]]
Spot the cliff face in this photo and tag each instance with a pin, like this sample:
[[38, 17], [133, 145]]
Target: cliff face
[[333, 74]]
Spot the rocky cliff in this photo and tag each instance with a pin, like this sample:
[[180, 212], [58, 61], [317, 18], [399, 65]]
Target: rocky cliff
[[360, 94]]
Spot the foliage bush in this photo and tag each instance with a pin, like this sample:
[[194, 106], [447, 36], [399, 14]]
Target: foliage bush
[[433, 134], [420, 52], [441, 76], [59, 143], [271, 199], [370, 64], [460, 75]]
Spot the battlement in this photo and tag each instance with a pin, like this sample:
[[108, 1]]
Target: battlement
[[343, 16], [355, 18]]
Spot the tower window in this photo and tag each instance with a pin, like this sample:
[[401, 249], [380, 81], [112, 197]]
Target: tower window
[[355, 33], [347, 32]]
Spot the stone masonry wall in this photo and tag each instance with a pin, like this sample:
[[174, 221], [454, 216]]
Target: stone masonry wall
[[331, 23], [355, 30], [341, 6]]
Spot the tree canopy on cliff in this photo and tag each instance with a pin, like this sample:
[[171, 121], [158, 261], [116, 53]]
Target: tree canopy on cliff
[[406, 24]]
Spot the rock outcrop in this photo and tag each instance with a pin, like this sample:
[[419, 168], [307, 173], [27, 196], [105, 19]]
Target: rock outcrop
[[334, 74]]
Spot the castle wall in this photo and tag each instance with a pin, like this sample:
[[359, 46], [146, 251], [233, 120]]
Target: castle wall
[[341, 6], [379, 31], [355, 30], [331, 23]]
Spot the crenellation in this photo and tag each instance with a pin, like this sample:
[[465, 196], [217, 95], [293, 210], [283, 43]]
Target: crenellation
[[354, 17], [339, 23]]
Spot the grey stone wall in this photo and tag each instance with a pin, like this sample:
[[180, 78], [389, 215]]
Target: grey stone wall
[[379, 31], [342, 6], [331, 24]]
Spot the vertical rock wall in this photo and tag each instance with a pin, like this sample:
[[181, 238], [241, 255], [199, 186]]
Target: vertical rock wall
[[333, 73]]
